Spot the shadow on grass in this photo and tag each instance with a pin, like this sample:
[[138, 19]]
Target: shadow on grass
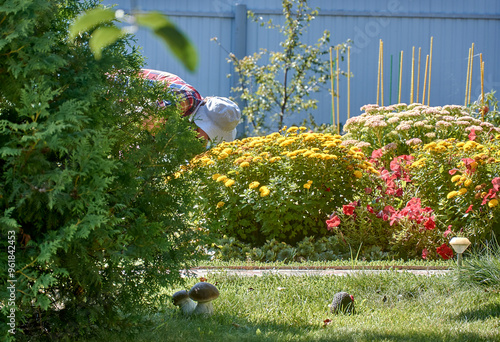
[[226, 328], [482, 313]]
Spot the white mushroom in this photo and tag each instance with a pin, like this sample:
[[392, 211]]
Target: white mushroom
[[182, 300], [204, 293]]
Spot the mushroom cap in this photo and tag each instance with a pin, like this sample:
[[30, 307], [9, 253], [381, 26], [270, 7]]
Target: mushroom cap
[[179, 296], [203, 292]]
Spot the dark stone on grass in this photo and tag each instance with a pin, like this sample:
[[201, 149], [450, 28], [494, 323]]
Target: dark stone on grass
[[342, 303]]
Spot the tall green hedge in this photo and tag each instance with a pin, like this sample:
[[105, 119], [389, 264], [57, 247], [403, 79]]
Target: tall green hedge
[[95, 230]]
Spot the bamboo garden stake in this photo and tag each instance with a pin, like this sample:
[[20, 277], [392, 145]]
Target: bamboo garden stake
[[338, 90], [348, 82], [378, 76], [467, 80], [412, 71], [470, 76], [381, 73], [418, 73], [425, 77], [332, 92], [483, 112], [400, 75], [481, 64], [430, 71]]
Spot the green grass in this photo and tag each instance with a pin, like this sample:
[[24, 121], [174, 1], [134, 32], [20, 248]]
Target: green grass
[[326, 264], [391, 306], [482, 266]]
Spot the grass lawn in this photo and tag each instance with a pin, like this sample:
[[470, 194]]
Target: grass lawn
[[390, 306]]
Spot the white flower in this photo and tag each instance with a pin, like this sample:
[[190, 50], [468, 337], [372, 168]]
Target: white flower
[[403, 127], [475, 128], [390, 146], [363, 144], [414, 141], [443, 123]]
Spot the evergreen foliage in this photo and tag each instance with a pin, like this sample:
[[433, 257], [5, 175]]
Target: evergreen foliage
[[98, 230]]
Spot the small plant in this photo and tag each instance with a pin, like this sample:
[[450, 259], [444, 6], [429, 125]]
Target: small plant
[[482, 266], [282, 86], [488, 110]]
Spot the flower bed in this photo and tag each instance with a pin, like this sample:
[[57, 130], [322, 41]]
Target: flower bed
[[401, 182]]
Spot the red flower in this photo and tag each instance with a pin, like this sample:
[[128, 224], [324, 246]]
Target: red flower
[[469, 209], [468, 162], [472, 134], [377, 153], [333, 222], [425, 252], [496, 183], [399, 192], [430, 224], [370, 209], [389, 210], [348, 209], [448, 231], [445, 251], [368, 191], [452, 171], [491, 194]]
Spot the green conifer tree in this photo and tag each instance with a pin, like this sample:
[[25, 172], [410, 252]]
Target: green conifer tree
[[89, 210]]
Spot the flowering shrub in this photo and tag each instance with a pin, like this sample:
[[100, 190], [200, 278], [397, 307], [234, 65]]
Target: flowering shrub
[[399, 127], [386, 216], [452, 183], [281, 186], [462, 178]]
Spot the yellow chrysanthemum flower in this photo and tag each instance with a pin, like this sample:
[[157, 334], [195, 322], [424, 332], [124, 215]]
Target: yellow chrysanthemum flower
[[220, 204], [221, 178], [215, 176], [245, 164], [452, 194], [307, 186], [455, 178], [264, 191], [493, 203], [468, 182], [358, 174], [462, 191], [292, 129], [253, 185], [229, 182]]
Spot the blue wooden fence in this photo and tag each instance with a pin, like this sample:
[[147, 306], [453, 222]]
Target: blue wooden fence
[[400, 24]]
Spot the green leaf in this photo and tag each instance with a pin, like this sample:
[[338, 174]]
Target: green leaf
[[179, 44], [103, 37], [90, 20]]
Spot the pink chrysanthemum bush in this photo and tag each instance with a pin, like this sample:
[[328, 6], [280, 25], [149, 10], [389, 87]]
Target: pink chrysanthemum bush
[[280, 186], [399, 127]]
